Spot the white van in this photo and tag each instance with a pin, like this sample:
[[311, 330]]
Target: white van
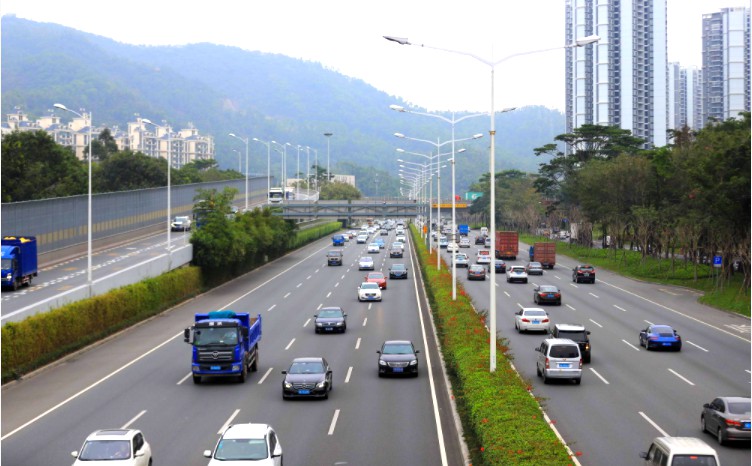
[[484, 231], [673, 451]]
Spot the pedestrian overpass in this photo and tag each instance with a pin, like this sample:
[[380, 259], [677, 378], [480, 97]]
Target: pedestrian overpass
[[357, 209]]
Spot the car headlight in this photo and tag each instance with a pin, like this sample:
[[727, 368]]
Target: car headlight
[[321, 384], [381, 363], [236, 367], [288, 385], [414, 362], [338, 324], [319, 324]]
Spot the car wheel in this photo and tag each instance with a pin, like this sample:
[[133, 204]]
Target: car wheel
[[586, 358], [545, 379], [678, 348], [703, 427], [537, 370], [196, 379], [243, 373], [577, 381], [558, 303], [721, 436], [526, 280]]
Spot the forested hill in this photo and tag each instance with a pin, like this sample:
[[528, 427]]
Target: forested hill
[[224, 89]]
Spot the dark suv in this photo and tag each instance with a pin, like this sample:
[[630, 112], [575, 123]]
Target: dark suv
[[583, 273], [334, 258], [576, 333]]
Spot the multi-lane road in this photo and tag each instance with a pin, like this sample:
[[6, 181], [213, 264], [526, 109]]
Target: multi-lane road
[[628, 395], [141, 378]]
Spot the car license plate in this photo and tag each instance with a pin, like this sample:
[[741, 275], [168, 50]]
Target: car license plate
[[215, 368], [304, 392], [746, 425], [667, 344], [536, 321], [550, 296], [587, 274], [329, 329], [397, 369], [564, 365]]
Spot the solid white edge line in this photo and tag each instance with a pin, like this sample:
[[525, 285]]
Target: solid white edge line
[[334, 422], [599, 376], [98, 382], [434, 401], [663, 432], [289, 344], [184, 378], [349, 373], [228, 422], [135, 418], [266, 374], [697, 346], [681, 376]]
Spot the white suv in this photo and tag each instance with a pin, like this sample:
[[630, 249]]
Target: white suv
[[119, 446], [559, 358], [255, 443]]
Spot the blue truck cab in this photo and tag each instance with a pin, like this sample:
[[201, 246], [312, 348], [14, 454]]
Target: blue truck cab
[[464, 230], [338, 240], [224, 344], [19, 261]]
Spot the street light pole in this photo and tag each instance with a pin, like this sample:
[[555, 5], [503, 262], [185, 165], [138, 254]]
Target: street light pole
[[268, 166], [328, 174], [88, 222], [169, 190], [246, 167], [492, 64]]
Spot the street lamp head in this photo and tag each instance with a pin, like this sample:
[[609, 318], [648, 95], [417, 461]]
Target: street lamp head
[[461, 151], [587, 40], [60, 106], [399, 135], [397, 108], [400, 150], [328, 134], [232, 135], [508, 109], [257, 140], [147, 121], [477, 136], [399, 40]]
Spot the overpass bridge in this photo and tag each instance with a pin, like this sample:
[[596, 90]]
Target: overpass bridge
[[357, 209]]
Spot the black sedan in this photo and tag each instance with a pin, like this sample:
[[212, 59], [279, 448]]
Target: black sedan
[[396, 253], [398, 357], [499, 265], [476, 272], [307, 378], [728, 418], [546, 294], [398, 271], [480, 239], [330, 320], [534, 268]]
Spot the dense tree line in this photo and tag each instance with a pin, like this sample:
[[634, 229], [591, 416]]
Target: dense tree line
[[36, 167]]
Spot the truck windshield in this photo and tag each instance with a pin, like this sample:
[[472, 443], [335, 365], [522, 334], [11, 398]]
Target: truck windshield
[[215, 336], [7, 263]]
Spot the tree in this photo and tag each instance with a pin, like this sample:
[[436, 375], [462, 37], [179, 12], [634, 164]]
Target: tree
[[338, 190], [104, 146], [35, 167], [128, 170]]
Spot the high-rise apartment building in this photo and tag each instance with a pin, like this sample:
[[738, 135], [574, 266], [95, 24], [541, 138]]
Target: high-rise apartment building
[[622, 79], [725, 63], [684, 97]]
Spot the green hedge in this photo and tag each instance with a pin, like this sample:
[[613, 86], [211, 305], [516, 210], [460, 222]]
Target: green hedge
[[304, 237], [503, 423]]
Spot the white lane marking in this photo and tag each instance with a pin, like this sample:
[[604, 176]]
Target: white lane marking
[[620, 308], [184, 378], [309, 277], [319, 306], [630, 344], [599, 376], [228, 422], [697, 346], [557, 277], [306, 322], [357, 343], [288, 294], [334, 422], [596, 323], [747, 371], [593, 295], [98, 382], [663, 432], [365, 321], [299, 284], [349, 373], [328, 294], [570, 307], [669, 292], [268, 371], [273, 306], [649, 323], [135, 418], [508, 295], [369, 306], [342, 277], [348, 270], [520, 306], [680, 376], [572, 284], [289, 344], [336, 284]]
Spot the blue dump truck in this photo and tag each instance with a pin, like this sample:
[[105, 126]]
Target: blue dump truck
[[225, 344], [464, 230], [338, 240], [19, 261]]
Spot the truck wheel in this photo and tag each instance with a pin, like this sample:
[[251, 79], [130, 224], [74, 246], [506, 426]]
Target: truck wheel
[[15, 285], [196, 379]]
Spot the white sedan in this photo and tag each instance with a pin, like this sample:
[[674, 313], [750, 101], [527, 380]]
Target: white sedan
[[484, 257], [369, 291], [464, 242], [373, 247], [365, 263], [531, 318], [453, 247], [516, 273]]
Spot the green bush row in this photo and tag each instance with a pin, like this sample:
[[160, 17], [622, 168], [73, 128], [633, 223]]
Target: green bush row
[[46, 337], [503, 423]]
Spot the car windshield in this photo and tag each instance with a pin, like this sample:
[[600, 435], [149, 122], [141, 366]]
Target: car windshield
[[334, 254], [235, 449], [330, 313], [215, 336], [366, 259], [534, 313], [103, 450], [398, 267], [181, 219], [535, 265], [477, 268], [313, 367], [549, 289], [739, 407], [576, 335], [564, 351], [397, 349], [663, 331], [375, 276], [586, 268], [518, 269], [369, 286], [693, 460]]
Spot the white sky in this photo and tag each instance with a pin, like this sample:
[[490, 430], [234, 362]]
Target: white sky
[[346, 36]]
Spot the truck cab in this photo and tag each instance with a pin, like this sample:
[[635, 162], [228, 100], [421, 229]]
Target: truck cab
[[19, 261]]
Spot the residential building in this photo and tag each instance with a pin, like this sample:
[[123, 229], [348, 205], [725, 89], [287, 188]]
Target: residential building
[[684, 97], [622, 79], [726, 63]]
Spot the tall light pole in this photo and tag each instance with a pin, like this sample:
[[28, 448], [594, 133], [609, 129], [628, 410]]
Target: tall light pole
[[169, 190], [328, 174], [245, 141], [492, 172], [438, 145], [268, 166], [297, 175], [88, 222], [240, 164]]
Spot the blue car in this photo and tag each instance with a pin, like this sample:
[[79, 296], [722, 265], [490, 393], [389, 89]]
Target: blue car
[[660, 336], [380, 242]]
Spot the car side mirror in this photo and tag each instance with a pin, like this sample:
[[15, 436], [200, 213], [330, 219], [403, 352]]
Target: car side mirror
[[315, 315], [277, 451], [644, 455], [207, 453], [284, 372], [537, 349], [139, 453], [417, 351], [378, 351], [588, 332], [74, 454], [706, 405], [344, 315]]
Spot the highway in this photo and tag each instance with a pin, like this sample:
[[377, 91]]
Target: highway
[[628, 395], [141, 378]]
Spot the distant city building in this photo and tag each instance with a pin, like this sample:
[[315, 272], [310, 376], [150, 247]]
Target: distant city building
[[622, 79], [349, 179], [684, 97], [726, 63], [183, 146]]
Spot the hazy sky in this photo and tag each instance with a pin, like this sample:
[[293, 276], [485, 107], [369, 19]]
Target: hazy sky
[[346, 36]]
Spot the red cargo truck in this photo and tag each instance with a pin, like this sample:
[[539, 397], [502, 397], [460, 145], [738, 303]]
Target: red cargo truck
[[507, 245], [545, 253]]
